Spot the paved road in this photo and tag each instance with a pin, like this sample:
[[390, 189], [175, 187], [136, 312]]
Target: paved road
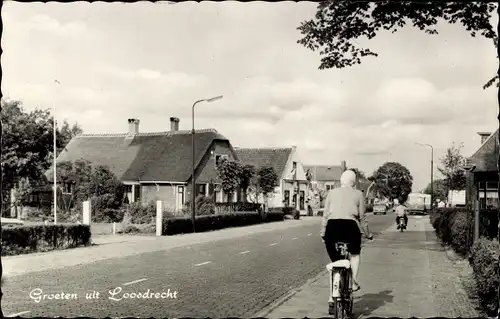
[[235, 277]]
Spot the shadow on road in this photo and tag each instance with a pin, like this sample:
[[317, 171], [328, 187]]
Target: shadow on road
[[368, 303]]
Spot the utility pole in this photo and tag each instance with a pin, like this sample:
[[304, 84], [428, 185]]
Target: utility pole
[[193, 177]]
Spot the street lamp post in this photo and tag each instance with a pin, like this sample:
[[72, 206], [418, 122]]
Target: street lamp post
[[432, 171], [193, 177]]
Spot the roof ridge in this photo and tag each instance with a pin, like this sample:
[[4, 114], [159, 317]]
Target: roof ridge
[[322, 165], [262, 148], [487, 140], [166, 133]]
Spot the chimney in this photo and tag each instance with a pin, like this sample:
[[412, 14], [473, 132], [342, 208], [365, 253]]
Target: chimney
[[174, 124], [484, 136], [343, 166], [133, 126]]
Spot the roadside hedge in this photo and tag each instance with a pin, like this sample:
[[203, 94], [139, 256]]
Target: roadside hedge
[[455, 227], [180, 225], [142, 214], [39, 238], [204, 206], [484, 260]]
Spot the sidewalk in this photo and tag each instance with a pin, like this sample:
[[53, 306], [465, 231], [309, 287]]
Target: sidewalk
[[115, 246], [401, 275]]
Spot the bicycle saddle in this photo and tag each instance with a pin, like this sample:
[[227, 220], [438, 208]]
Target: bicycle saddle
[[343, 263]]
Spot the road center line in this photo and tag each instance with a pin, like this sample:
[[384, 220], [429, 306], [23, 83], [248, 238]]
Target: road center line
[[273, 244], [201, 264], [294, 238], [244, 252], [134, 282], [18, 314]]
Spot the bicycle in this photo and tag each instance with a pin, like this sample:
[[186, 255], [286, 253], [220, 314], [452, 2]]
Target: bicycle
[[341, 285]]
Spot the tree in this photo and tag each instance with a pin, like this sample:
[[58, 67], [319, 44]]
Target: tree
[[338, 24], [494, 79], [267, 180], [247, 172], [22, 190], [309, 176], [229, 173], [439, 189], [27, 144], [393, 181], [88, 182], [67, 132], [452, 168]]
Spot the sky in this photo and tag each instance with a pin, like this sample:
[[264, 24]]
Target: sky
[[151, 61]]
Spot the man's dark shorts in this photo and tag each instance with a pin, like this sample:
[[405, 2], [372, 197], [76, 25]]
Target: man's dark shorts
[[342, 230]]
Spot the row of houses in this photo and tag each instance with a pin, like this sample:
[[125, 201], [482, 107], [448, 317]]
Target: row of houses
[[158, 166]]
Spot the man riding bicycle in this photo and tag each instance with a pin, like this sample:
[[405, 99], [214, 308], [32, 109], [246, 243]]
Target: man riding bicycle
[[400, 211], [343, 221]]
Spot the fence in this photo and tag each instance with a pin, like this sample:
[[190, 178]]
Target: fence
[[221, 208]]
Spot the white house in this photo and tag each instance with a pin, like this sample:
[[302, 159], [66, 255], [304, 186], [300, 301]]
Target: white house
[[289, 169]]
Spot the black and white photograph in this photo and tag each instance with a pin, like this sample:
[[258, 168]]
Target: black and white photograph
[[216, 159]]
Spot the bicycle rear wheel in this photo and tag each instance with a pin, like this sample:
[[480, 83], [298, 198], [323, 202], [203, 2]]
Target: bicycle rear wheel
[[349, 298], [340, 305], [338, 309]]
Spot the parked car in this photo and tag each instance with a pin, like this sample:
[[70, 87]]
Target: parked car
[[379, 209]]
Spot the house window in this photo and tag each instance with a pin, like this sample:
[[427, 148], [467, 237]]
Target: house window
[[491, 185], [287, 197], [218, 193], [180, 194], [219, 158], [137, 193], [202, 189], [302, 200]]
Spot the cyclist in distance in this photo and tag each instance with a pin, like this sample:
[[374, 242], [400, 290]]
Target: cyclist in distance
[[344, 220], [400, 211]]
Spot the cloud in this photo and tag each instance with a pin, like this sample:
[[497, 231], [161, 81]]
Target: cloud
[[148, 74], [45, 24], [426, 89], [154, 77]]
